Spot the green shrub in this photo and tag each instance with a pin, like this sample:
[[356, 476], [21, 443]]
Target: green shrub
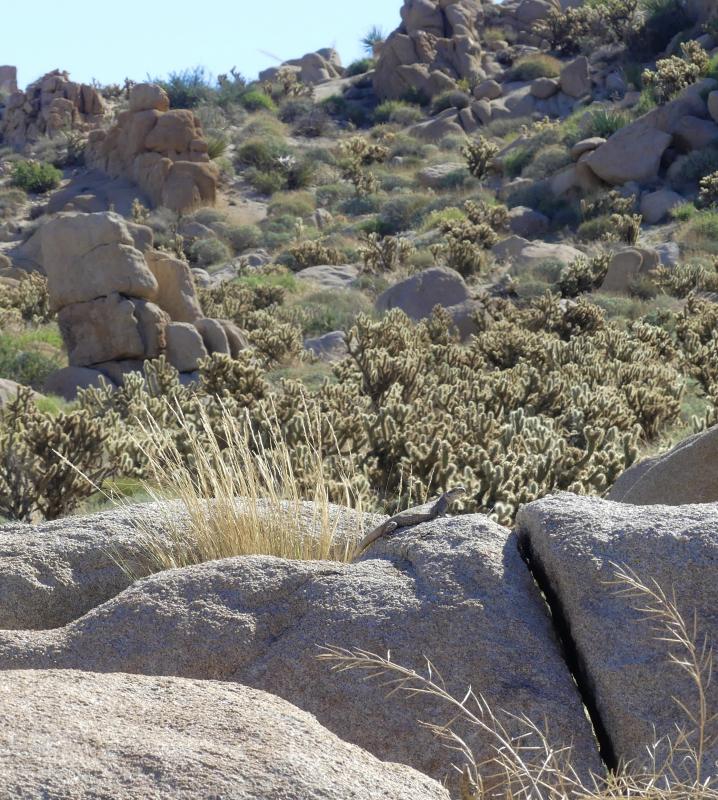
[[243, 237], [530, 67], [207, 252], [360, 66], [23, 366], [262, 153], [683, 212], [187, 88], [295, 107], [514, 162], [452, 98], [688, 170], [217, 145], [254, 100], [397, 111], [547, 161], [294, 204], [700, 233], [315, 123], [278, 231], [605, 122], [403, 213], [11, 201], [266, 183], [327, 310], [35, 176], [408, 148], [595, 229]]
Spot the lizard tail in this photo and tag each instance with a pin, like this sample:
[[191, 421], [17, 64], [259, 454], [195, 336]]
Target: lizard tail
[[370, 538]]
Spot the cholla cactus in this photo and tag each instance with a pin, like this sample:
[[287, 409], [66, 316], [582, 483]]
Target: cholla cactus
[[583, 275], [384, 254], [49, 464], [626, 227], [356, 154], [479, 155], [708, 194], [675, 73], [314, 252], [28, 301], [609, 203], [466, 241]]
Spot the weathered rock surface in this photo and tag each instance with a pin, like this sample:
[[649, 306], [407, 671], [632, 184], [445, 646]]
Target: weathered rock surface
[[66, 382], [87, 256], [164, 152], [632, 154], [49, 106], [454, 589], [54, 572], [575, 542], [330, 277], [522, 253], [655, 206], [329, 347], [417, 295], [130, 736], [575, 80], [436, 45], [688, 473]]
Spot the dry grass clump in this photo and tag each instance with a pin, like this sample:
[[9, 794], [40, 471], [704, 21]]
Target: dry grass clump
[[525, 765], [238, 492]]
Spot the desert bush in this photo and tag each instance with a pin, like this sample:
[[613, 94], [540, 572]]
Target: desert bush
[[540, 65], [514, 162], [48, 464], [479, 155], [403, 213], [673, 74], [243, 237], [606, 204], [187, 88], [547, 161], [314, 123], [22, 365], [360, 66], [254, 100], [217, 145], [452, 98], [11, 201], [605, 122], [263, 153], [35, 176], [296, 204], [397, 111], [689, 169], [207, 252], [295, 107], [700, 232]]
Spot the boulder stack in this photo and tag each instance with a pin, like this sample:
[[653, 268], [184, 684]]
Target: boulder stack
[[164, 152], [312, 69], [120, 301], [8, 80], [49, 106], [436, 45]]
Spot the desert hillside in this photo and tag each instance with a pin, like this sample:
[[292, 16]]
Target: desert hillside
[[341, 380]]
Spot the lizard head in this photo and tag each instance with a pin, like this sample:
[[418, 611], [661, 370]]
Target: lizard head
[[455, 493]]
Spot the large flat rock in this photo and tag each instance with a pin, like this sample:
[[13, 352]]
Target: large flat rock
[[66, 734], [54, 572], [576, 541], [453, 590]]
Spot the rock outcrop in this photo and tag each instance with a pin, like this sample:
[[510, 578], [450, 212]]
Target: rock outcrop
[[311, 69], [688, 473], [8, 80], [55, 572], [164, 152], [118, 299], [436, 45], [575, 544], [455, 590], [77, 734], [51, 105]]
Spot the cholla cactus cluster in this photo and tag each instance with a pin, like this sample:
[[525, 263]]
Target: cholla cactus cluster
[[467, 241], [480, 154], [675, 73], [583, 275], [708, 191], [384, 253], [313, 252], [29, 301], [49, 464], [356, 155], [544, 398]]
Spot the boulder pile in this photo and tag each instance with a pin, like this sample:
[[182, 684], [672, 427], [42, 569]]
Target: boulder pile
[[311, 69], [51, 105], [8, 80], [164, 152], [120, 301]]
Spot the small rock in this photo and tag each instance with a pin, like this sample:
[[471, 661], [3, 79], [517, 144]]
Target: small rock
[[526, 222], [436, 176], [330, 277], [575, 78], [586, 146], [417, 295], [656, 205], [184, 346], [330, 347], [68, 381], [488, 90], [543, 88]]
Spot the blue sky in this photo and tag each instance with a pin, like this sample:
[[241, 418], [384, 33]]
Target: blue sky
[[136, 38]]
